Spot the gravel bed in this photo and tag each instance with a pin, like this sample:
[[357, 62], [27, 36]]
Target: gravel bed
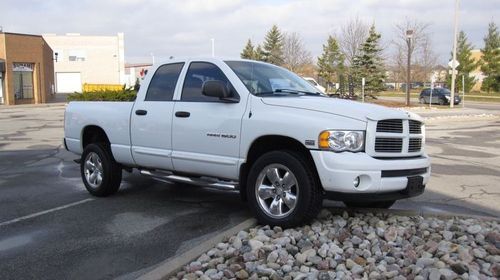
[[356, 245]]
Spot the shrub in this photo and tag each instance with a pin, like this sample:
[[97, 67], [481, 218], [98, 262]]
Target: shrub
[[104, 95]]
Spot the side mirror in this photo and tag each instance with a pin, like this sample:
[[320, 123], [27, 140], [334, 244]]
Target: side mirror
[[215, 89]]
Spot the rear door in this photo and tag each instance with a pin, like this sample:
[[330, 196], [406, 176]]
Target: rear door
[[206, 130], [151, 120]]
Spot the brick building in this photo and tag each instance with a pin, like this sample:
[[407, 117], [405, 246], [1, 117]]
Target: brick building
[[26, 69]]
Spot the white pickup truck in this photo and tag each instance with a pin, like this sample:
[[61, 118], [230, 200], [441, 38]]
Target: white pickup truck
[[255, 127]]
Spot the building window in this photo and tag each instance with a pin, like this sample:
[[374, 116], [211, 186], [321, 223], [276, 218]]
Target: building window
[[23, 80], [77, 55]]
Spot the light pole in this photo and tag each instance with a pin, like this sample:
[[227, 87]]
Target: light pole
[[453, 66], [409, 35]]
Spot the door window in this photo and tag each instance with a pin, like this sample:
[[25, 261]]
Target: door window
[[197, 74], [162, 85]]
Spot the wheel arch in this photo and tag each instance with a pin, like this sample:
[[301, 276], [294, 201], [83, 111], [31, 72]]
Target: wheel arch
[[268, 143], [94, 134]]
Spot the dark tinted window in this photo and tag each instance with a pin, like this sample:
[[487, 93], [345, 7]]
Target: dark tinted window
[[162, 85], [197, 74]]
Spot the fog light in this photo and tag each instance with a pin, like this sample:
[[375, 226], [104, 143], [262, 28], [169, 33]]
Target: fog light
[[356, 182]]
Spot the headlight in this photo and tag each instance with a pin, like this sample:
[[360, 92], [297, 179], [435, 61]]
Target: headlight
[[447, 97], [342, 140]]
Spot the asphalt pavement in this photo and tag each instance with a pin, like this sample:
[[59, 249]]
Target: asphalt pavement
[[51, 228]]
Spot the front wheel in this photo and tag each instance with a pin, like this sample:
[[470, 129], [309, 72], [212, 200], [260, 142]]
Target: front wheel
[[386, 204], [442, 102], [422, 100], [101, 174], [282, 189]]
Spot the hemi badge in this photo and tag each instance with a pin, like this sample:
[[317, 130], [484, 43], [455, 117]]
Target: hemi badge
[[310, 142]]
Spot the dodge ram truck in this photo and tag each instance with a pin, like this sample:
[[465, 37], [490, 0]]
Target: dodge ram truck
[[253, 127]]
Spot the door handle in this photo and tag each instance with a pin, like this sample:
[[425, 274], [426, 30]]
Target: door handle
[[141, 112], [182, 114]]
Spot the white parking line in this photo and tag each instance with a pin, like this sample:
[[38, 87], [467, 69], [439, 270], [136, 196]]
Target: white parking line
[[13, 221]]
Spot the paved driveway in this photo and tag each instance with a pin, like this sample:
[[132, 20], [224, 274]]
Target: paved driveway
[[50, 228]]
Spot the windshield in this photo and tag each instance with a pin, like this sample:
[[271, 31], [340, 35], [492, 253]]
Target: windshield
[[444, 91], [269, 80]]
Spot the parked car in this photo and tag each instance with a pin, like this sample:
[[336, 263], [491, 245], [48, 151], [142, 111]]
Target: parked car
[[313, 82], [440, 96], [255, 127]]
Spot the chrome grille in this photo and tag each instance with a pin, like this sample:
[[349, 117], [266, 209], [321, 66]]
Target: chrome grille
[[415, 127], [388, 145], [391, 138], [415, 145], [390, 126]]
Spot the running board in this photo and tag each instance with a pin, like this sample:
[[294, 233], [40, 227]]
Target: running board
[[207, 182]]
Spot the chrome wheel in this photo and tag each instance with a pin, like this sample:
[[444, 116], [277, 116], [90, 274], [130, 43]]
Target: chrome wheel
[[93, 170], [277, 190]]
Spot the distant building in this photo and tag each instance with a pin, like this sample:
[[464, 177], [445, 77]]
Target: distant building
[[476, 73], [134, 71], [26, 69], [87, 60]]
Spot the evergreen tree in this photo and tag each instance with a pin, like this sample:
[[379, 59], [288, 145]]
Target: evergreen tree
[[249, 51], [369, 64], [490, 62], [466, 64], [273, 46], [259, 53], [331, 62]]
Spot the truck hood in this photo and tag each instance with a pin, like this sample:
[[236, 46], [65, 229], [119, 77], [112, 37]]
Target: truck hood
[[345, 108]]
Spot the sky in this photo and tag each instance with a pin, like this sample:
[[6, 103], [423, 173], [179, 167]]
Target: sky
[[183, 28]]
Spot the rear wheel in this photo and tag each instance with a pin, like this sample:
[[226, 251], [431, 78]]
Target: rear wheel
[[386, 204], [282, 189], [100, 173]]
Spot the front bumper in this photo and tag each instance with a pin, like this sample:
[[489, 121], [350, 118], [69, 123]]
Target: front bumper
[[383, 177]]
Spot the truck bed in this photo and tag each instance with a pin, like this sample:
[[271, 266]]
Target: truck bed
[[113, 117]]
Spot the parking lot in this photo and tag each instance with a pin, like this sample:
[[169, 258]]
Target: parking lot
[[51, 228]]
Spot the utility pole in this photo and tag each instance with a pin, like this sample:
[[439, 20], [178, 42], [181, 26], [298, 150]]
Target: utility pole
[[453, 67], [409, 35]]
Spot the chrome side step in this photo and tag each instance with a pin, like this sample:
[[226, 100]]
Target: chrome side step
[[207, 182]]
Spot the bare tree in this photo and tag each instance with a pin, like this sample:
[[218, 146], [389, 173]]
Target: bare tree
[[295, 54], [352, 35], [422, 56], [426, 60]]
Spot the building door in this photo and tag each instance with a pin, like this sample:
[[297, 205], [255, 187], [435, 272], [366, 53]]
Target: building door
[[68, 82], [23, 81]]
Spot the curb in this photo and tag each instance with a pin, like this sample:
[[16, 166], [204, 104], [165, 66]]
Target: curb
[[43, 105], [173, 265]]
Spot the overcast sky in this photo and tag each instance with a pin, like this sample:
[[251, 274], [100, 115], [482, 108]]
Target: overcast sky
[[185, 27]]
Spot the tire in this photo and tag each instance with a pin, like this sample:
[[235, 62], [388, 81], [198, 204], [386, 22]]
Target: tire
[[97, 159], [442, 102], [422, 100], [370, 204], [271, 202]]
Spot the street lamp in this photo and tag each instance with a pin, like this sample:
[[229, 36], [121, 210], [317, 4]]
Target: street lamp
[[409, 35]]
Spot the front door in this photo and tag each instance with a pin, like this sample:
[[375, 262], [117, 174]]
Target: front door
[[206, 130], [151, 125], [23, 81]]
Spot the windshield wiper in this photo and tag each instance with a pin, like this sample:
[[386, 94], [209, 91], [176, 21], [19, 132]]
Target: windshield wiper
[[285, 90]]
